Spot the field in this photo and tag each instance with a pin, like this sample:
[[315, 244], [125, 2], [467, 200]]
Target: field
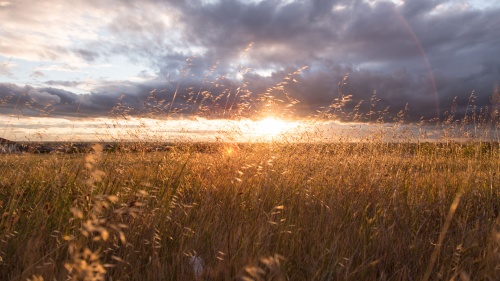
[[269, 211]]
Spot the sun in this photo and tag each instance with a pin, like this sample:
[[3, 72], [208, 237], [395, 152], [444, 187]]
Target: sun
[[270, 126], [267, 129]]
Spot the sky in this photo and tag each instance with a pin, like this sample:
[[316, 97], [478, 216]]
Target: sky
[[246, 58]]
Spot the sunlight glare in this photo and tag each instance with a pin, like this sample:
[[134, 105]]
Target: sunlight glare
[[232, 149], [269, 127]]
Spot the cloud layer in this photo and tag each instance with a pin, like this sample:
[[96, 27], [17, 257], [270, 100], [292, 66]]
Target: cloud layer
[[197, 60]]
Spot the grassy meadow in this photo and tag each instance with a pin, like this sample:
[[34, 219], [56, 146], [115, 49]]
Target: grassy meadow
[[389, 206], [269, 211]]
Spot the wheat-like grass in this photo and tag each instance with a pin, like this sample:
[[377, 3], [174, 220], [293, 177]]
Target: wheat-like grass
[[295, 209]]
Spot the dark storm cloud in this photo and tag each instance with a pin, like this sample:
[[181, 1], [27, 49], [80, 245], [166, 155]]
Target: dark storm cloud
[[384, 47], [39, 101], [112, 98]]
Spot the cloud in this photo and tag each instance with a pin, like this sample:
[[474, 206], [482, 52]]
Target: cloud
[[385, 47], [5, 69], [43, 98], [87, 55], [63, 83], [419, 52], [37, 74]]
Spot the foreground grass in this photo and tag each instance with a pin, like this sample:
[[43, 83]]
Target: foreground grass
[[267, 212]]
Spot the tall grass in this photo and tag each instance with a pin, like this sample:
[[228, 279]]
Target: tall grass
[[377, 209], [291, 212]]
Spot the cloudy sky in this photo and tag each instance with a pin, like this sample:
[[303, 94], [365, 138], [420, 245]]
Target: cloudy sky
[[227, 58]]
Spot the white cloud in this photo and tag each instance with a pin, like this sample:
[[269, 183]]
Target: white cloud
[[339, 7], [47, 30]]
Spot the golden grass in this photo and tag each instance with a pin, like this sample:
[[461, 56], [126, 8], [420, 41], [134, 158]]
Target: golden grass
[[268, 212], [378, 209]]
